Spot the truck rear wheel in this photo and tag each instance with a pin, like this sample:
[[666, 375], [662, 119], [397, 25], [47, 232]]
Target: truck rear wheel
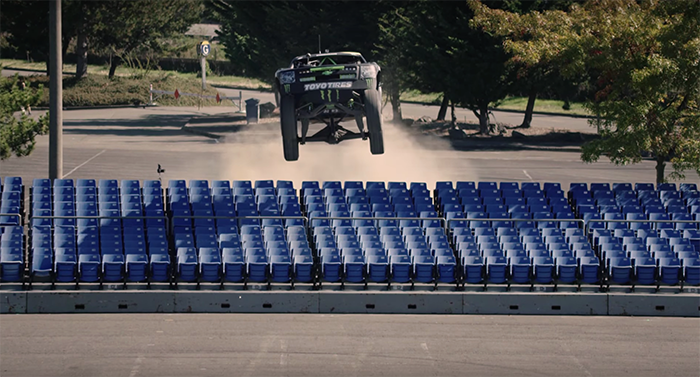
[[373, 113], [288, 120]]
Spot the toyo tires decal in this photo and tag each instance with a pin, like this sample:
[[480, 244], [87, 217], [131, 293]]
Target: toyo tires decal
[[328, 85]]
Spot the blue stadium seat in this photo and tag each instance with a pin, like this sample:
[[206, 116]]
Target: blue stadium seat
[[565, 269], [496, 269], [589, 269], [399, 268], [473, 269], [519, 269], [423, 268]]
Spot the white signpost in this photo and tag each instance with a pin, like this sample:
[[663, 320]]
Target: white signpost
[[204, 49]]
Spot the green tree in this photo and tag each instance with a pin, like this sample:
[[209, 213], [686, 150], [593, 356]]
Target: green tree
[[125, 27], [533, 79], [17, 134], [390, 48], [121, 27], [26, 24], [262, 36], [447, 56], [645, 57]]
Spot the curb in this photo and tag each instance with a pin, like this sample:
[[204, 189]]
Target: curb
[[543, 113], [224, 86], [34, 70], [101, 107], [516, 146]]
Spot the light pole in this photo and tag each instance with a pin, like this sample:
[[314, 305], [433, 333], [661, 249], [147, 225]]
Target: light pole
[[55, 93]]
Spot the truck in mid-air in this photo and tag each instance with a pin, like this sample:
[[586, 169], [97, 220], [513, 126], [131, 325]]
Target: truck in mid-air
[[329, 88]]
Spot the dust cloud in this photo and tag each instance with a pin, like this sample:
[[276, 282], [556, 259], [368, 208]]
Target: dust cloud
[[256, 154]]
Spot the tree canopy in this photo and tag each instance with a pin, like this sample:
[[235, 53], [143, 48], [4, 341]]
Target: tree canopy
[[645, 61], [117, 26], [126, 26], [262, 36], [18, 133]]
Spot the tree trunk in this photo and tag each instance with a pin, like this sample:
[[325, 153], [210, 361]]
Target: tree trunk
[[394, 98], [483, 119], [113, 65], [48, 67], [527, 121], [443, 108], [454, 117], [82, 55], [64, 47], [660, 166]]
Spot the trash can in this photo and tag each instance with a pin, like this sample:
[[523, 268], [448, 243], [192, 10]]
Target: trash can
[[252, 110]]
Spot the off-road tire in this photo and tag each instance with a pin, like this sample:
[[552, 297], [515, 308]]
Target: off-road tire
[[288, 120], [373, 113]]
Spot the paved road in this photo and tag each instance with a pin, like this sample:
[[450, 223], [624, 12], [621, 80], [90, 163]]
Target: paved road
[[346, 345], [11, 72], [129, 143]]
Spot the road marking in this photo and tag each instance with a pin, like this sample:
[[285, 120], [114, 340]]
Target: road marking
[[576, 359], [137, 365], [433, 362], [528, 176], [425, 348], [83, 164], [261, 353], [284, 355]]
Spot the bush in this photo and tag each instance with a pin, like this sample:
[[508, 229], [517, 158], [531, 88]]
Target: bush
[[99, 90], [18, 133]]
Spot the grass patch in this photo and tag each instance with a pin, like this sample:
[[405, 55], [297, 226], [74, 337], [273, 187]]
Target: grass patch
[[543, 105], [235, 82], [510, 103], [419, 97], [99, 90]]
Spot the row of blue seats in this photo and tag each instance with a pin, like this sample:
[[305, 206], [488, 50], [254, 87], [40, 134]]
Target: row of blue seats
[[342, 222], [11, 203], [11, 252], [110, 249], [616, 187]]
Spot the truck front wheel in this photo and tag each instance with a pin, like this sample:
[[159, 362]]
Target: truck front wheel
[[288, 120], [373, 113]]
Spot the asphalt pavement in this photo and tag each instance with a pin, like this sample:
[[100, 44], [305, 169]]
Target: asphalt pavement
[[346, 345], [129, 143]]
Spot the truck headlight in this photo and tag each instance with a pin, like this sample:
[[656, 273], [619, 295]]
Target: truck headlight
[[367, 71], [287, 77]]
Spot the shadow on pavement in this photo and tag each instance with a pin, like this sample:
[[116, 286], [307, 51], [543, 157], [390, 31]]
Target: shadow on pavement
[[555, 141], [565, 142], [152, 125]]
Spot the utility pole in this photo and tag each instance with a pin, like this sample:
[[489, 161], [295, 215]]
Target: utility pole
[[55, 93]]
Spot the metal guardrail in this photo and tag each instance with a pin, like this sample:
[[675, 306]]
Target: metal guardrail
[[165, 218], [19, 219], [588, 228], [580, 221], [171, 228]]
